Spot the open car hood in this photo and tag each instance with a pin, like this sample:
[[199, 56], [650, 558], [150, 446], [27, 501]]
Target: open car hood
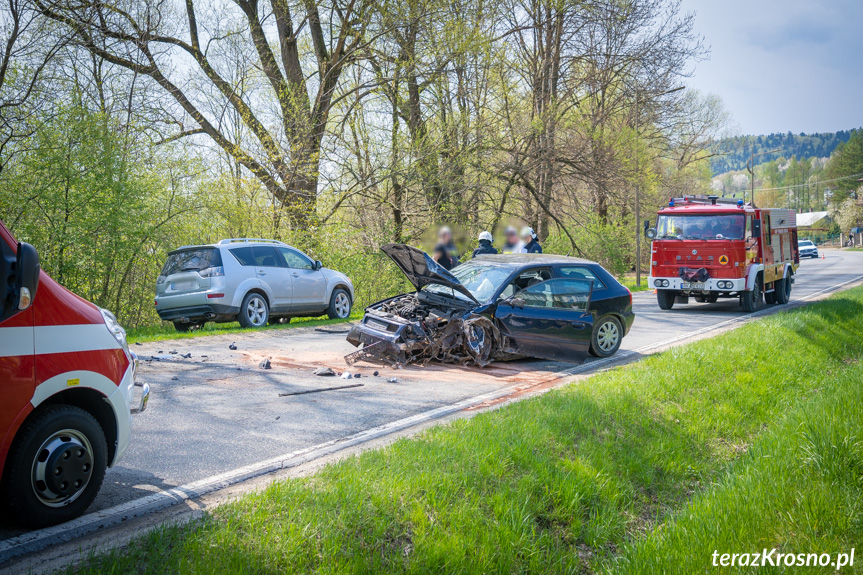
[[421, 270]]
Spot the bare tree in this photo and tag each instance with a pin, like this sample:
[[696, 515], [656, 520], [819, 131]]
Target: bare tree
[[300, 51]]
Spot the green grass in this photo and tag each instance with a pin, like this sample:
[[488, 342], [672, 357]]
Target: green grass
[[748, 440], [167, 331]]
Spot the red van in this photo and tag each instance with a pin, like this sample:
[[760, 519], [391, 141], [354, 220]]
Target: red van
[[67, 382]]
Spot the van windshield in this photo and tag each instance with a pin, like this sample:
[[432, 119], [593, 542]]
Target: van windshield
[[191, 260], [701, 227]]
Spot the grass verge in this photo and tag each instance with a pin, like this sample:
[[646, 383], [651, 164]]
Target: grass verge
[[167, 331], [748, 440]]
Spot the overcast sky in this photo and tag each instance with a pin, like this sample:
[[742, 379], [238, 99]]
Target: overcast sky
[[783, 65]]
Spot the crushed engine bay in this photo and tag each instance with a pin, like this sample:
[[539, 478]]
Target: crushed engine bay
[[406, 330]]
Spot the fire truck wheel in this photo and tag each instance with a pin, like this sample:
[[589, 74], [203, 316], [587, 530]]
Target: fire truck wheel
[[783, 290], [606, 338], [665, 298], [754, 298], [56, 466]]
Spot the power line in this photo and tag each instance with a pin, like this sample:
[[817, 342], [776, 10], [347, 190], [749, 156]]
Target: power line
[[809, 183]]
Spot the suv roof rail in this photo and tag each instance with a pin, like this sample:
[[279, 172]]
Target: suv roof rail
[[250, 240]]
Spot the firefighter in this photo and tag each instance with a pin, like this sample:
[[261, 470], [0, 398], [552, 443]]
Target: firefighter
[[485, 247], [511, 245], [531, 246]]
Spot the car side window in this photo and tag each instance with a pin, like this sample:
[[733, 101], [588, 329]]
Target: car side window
[[266, 257], [525, 279], [581, 273], [571, 294], [295, 260], [244, 256]]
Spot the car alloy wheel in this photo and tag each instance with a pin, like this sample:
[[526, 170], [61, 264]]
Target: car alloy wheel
[[607, 336], [62, 468], [342, 305], [256, 311]]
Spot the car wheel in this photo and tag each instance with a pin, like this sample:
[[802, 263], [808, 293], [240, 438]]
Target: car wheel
[[782, 295], [56, 466], [754, 299], [606, 338], [665, 298], [340, 304], [254, 311]]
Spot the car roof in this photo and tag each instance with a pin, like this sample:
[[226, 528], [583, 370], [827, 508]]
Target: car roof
[[235, 242], [530, 259]]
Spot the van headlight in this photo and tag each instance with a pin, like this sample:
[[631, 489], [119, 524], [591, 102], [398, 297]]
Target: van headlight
[[116, 329]]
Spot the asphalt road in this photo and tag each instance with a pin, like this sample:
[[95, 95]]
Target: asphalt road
[[218, 410]]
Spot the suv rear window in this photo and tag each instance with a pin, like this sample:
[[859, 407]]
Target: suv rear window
[[191, 260]]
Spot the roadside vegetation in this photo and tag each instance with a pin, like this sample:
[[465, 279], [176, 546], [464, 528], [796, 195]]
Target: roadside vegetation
[[749, 440]]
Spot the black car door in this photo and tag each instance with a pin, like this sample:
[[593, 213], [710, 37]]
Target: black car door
[[549, 320]]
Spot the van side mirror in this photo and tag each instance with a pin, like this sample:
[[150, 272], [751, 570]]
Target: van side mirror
[[20, 280], [756, 228]]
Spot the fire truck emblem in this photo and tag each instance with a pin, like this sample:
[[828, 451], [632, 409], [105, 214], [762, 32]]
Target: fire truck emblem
[[694, 252], [723, 259]]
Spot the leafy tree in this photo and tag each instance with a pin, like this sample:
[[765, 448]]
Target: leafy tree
[[847, 164]]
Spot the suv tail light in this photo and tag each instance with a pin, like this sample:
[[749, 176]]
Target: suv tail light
[[212, 272]]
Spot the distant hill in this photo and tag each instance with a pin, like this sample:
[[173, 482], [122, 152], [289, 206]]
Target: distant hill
[[738, 149]]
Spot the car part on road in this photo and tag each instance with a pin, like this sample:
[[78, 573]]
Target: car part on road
[[254, 311], [324, 371], [233, 346], [320, 390], [265, 364]]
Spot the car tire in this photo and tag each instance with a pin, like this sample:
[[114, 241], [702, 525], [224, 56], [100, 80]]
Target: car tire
[[665, 298], [186, 327], [254, 311], [340, 304], [606, 337], [782, 293], [54, 452], [753, 299]]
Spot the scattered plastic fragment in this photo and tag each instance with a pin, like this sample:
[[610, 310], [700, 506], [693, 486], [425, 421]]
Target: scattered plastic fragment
[[376, 374], [393, 380], [233, 346], [265, 364], [346, 375], [326, 371]]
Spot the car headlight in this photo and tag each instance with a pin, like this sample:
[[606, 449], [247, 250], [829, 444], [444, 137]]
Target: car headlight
[[116, 329]]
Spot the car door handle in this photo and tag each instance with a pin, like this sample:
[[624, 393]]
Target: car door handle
[[262, 273], [296, 275], [578, 324]]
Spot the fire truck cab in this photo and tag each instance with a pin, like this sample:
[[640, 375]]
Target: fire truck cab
[[708, 248], [67, 382]]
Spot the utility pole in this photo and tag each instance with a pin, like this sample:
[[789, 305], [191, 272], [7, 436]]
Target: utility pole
[[750, 167], [638, 188]]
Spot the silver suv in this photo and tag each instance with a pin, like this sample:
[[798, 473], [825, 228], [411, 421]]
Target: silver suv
[[252, 281]]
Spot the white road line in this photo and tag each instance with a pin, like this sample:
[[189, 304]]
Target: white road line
[[40, 539]]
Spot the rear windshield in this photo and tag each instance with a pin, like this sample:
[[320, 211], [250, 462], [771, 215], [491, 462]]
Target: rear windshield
[[192, 260]]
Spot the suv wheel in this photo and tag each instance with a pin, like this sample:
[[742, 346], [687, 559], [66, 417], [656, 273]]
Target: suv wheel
[[340, 304], [254, 311], [56, 466]]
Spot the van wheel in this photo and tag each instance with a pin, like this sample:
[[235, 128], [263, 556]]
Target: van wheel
[[606, 337], [665, 298], [753, 300], [254, 311], [783, 290], [56, 466], [340, 304]]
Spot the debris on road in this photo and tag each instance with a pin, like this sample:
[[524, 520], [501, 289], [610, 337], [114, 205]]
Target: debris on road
[[346, 375], [320, 390], [233, 346], [376, 374], [175, 378], [393, 380], [358, 375], [265, 364], [186, 355], [325, 371]]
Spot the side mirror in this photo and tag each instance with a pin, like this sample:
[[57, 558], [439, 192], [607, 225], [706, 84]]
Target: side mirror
[[318, 265], [20, 280], [517, 302], [27, 275], [646, 225], [756, 228], [650, 233]]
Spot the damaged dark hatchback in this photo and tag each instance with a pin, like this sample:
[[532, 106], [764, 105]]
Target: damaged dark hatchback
[[495, 307]]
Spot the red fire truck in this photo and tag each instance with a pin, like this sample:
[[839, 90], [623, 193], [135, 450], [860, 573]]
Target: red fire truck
[[67, 382], [708, 248]]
